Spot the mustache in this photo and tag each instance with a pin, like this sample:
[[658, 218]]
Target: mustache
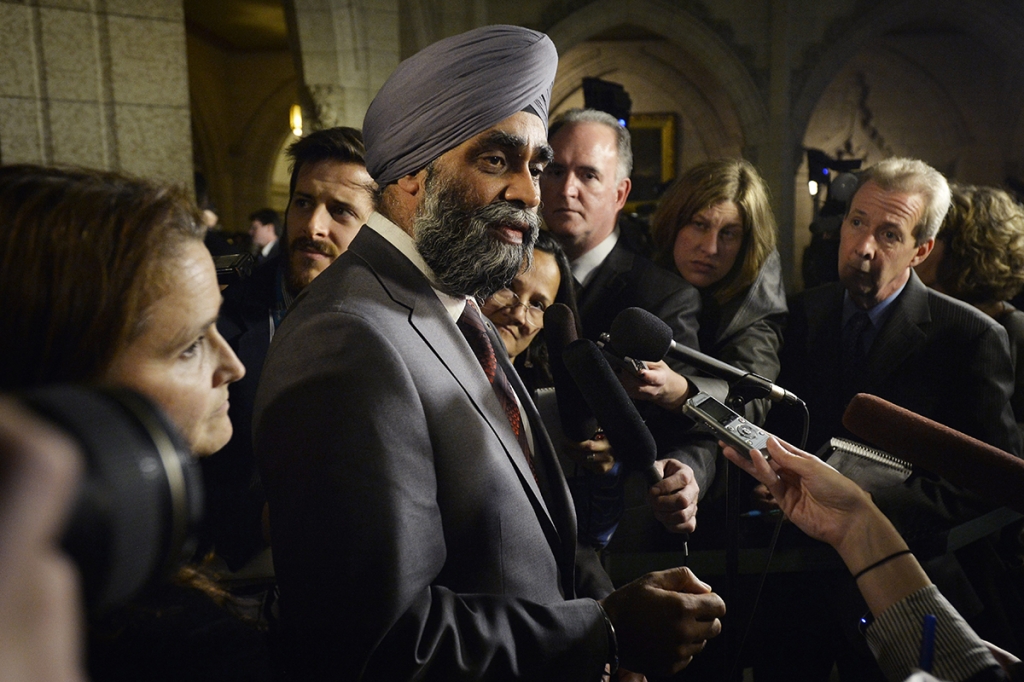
[[506, 214], [320, 246]]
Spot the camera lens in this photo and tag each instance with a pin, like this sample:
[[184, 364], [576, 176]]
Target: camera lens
[[140, 501]]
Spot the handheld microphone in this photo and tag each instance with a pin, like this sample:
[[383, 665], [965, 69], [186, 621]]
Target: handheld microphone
[[578, 423], [615, 412], [641, 335], [957, 457]]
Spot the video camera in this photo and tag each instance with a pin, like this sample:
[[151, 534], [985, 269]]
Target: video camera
[[140, 501]]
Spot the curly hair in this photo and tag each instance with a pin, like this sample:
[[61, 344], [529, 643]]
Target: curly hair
[[983, 232], [705, 185]]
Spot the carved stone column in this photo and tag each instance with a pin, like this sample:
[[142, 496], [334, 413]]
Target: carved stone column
[[345, 50]]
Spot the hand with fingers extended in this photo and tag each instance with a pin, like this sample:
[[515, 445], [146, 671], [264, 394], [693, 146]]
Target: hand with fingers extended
[[674, 499], [663, 619], [818, 499]]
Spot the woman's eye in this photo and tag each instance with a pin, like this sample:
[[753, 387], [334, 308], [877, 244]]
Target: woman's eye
[[193, 348]]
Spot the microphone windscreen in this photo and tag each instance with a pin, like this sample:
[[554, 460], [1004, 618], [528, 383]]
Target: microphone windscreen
[[641, 335], [615, 412], [578, 423], [957, 457]]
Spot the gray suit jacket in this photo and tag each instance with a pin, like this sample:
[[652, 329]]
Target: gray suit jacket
[[410, 538]]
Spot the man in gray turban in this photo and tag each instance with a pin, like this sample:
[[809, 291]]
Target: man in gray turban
[[421, 526]]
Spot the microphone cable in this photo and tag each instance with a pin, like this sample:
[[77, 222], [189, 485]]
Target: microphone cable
[[768, 561]]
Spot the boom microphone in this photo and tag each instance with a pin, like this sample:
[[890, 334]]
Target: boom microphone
[[638, 334], [615, 412], [578, 423], [957, 457]]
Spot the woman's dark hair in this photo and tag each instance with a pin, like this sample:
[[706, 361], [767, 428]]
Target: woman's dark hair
[[533, 364], [82, 256]]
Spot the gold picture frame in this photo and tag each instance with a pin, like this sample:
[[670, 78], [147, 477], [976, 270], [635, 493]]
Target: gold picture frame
[[654, 157]]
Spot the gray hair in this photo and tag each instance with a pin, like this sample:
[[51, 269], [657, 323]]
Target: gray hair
[[912, 176], [624, 147]]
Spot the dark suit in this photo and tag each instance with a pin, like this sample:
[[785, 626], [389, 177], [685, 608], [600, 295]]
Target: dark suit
[[274, 250], [410, 537], [935, 356], [623, 280], [234, 495]]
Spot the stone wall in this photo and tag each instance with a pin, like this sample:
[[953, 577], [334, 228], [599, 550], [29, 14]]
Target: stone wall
[[96, 83]]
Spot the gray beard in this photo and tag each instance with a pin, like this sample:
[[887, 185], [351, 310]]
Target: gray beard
[[455, 239]]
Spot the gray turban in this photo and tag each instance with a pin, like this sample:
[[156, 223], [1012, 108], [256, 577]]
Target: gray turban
[[453, 90]]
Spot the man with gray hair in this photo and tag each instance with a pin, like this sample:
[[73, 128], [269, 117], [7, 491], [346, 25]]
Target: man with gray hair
[[879, 330], [583, 190], [421, 525]]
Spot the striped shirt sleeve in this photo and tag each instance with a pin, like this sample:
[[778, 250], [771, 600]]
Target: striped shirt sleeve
[[895, 639]]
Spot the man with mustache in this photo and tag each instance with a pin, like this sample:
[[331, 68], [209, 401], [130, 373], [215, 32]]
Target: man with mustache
[[330, 197], [421, 525]]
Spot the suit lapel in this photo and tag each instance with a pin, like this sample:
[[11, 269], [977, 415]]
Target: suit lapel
[[902, 334], [427, 316], [549, 473], [608, 282]]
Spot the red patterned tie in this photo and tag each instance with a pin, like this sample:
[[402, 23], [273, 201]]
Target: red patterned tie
[[472, 327]]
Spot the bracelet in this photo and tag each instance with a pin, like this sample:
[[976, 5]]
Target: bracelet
[[878, 563], [613, 642]]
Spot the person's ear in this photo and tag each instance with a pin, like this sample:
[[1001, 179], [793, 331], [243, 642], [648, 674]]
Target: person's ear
[[922, 252], [622, 192], [413, 184]]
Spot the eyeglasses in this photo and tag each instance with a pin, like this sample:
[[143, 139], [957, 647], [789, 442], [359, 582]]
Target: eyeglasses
[[506, 299]]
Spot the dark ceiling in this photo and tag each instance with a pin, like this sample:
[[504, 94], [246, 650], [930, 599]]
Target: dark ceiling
[[239, 24]]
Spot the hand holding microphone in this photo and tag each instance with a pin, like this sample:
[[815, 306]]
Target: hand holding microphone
[[674, 489], [641, 335]]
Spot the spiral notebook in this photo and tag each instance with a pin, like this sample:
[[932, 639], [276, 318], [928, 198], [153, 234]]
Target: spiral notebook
[[868, 467]]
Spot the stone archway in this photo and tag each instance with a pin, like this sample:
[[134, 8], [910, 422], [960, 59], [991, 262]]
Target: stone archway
[[937, 81], [660, 79], [704, 47]]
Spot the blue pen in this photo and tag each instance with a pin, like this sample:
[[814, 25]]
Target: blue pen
[[928, 643]]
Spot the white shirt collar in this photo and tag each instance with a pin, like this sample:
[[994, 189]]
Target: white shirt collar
[[401, 240], [265, 251], [583, 267]]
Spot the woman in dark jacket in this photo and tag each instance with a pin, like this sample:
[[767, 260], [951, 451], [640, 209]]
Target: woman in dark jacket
[[715, 227]]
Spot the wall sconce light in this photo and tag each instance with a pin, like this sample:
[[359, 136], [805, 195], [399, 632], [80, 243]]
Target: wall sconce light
[[295, 117], [812, 187]]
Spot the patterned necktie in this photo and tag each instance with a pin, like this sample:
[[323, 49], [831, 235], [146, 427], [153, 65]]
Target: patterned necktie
[[472, 327]]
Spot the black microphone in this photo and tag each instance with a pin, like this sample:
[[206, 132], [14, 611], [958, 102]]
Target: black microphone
[[578, 423], [629, 436], [641, 335]]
